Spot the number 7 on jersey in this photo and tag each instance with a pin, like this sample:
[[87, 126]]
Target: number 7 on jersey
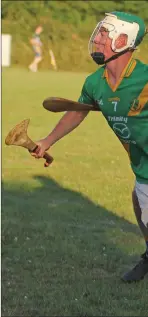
[[115, 105]]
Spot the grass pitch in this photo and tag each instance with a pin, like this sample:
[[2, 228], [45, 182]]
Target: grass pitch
[[68, 231]]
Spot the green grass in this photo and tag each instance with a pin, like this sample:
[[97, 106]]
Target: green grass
[[68, 231]]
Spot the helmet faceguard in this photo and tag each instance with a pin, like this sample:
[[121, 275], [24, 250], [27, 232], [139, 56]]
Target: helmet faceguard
[[114, 27]]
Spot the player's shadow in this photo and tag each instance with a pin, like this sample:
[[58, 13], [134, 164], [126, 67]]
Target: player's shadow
[[61, 236]]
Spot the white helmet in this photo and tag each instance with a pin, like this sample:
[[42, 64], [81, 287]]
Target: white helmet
[[118, 23]]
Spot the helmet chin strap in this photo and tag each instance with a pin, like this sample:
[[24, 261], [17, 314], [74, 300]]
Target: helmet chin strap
[[99, 58]]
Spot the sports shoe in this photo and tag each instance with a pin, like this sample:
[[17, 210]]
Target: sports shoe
[[33, 68], [138, 272]]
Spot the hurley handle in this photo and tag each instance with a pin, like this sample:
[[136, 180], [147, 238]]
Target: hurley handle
[[47, 157]]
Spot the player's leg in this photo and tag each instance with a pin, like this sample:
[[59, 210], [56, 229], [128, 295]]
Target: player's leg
[[34, 65], [140, 204], [38, 59]]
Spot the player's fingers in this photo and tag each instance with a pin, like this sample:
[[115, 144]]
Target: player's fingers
[[38, 149], [40, 153], [33, 154]]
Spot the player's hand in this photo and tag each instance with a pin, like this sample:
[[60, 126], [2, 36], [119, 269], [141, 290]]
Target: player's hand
[[43, 145]]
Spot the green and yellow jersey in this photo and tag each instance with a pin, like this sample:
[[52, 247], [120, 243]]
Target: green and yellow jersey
[[125, 107]]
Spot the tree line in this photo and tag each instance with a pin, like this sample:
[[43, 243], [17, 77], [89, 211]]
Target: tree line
[[67, 28]]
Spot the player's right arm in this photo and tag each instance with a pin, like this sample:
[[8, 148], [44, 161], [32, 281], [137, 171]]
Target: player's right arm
[[66, 124]]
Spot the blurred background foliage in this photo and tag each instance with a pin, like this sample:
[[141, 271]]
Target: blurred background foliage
[[67, 28]]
